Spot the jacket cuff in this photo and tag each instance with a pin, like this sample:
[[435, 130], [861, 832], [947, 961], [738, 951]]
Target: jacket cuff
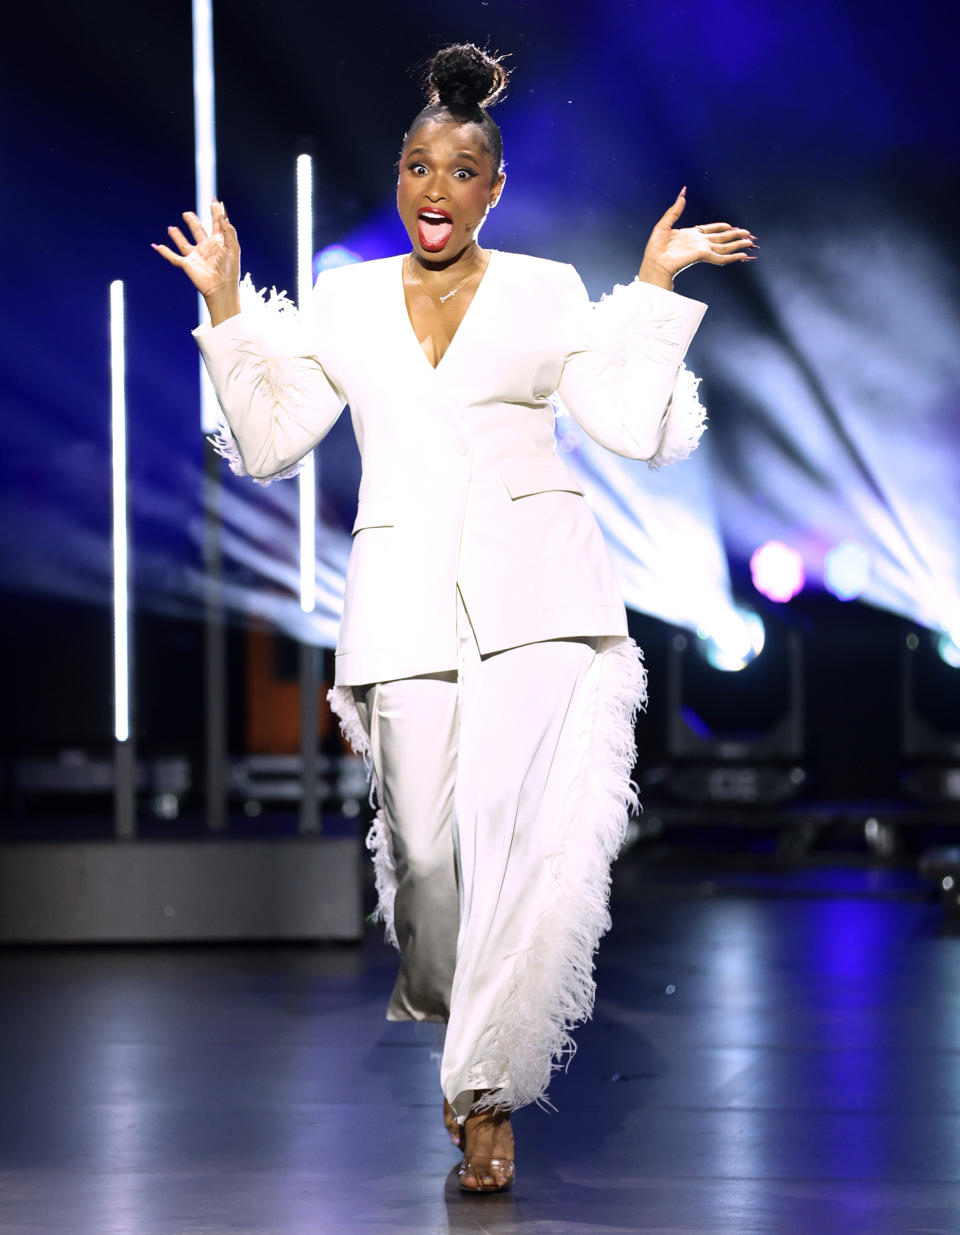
[[641, 315]]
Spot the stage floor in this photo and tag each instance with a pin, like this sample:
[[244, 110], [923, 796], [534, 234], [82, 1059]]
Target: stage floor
[[775, 1053]]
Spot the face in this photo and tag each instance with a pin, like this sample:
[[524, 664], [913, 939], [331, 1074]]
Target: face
[[446, 186]]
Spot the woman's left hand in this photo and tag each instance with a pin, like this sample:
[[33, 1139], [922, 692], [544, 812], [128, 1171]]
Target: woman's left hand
[[671, 249]]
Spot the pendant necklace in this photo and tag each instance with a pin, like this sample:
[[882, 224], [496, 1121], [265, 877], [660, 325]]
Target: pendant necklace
[[447, 295]]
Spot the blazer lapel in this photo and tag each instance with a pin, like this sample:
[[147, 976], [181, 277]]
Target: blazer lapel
[[475, 308]]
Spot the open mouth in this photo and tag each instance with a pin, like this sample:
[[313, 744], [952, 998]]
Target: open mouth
[[434, 227]]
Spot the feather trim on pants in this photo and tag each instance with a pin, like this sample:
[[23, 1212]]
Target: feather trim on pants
[[378, 841], [553, 986]]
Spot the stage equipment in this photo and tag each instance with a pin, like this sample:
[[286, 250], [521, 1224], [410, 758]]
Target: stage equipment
[[215, 649], [948, 650], [942, 866], [735, 741], [156, 891], [847, 570], [777, 571], [929, 719], [309, 668], [205, 167], [258, 783], [124, 813], [731, 639]]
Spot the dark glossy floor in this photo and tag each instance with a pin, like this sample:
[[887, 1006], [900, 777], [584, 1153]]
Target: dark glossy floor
[[771, 1052]]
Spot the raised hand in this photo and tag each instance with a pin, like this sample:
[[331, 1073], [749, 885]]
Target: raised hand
[[212, 262], [671, 249]]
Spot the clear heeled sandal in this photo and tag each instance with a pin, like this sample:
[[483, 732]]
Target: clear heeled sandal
[[455, 1129], [492, 1174]]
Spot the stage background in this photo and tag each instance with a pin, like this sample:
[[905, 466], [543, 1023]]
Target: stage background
[[830, 367]]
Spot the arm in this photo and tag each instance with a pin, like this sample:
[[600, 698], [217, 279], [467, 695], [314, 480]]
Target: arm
[[620, 378], [277, 401], [261, 356], [624, 379]]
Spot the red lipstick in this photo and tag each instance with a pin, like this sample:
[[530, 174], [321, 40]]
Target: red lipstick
[[434, 228]]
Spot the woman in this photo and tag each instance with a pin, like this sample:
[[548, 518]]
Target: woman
[[483, 662]]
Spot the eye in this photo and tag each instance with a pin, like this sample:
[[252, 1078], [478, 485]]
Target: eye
[[417, 169], [464, 173]]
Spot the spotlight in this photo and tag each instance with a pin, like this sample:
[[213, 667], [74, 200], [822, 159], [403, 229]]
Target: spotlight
[[949, 651], [777, 571], [332, 256], [731, 639], [847, 570], [736, 741]]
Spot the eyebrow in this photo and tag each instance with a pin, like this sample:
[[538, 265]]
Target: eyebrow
[[458, 154]]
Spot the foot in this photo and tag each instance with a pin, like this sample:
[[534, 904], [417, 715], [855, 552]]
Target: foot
[[455, 1129], [488, 1150]]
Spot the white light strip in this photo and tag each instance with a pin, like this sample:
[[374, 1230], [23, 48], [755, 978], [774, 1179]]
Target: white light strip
[[205, 159], [118, 435], [308, 475]]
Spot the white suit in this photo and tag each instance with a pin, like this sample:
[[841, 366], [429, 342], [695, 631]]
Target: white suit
[[461, 480], [483, 663]]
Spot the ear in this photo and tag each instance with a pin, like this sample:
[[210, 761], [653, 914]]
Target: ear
[[497, 189]]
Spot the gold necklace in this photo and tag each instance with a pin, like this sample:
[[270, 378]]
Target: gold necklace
[[453, 291]]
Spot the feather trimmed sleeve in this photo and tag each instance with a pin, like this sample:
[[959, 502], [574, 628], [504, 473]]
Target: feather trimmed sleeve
[[624, 380], [276, 400]]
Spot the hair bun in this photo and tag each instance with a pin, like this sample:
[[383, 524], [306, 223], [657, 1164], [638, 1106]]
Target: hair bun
[[462, 77]]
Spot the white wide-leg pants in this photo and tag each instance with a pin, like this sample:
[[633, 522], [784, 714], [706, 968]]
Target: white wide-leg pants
[[504, 791]]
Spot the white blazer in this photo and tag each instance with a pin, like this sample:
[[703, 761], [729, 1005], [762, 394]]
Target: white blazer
[[461, 482]]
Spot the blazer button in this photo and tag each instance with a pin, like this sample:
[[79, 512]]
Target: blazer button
[[463, 449]]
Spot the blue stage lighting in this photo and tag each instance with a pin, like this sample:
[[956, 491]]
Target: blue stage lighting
[[847, 570], [332, 256], [732, 639], [949, 651]]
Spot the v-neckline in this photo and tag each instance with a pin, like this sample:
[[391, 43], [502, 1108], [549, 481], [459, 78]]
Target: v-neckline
[[434, 368]]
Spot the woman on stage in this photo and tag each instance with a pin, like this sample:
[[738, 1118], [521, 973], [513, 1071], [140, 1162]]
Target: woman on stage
[[483, 662]]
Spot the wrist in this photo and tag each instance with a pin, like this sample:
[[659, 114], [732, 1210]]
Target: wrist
[[651, 272], [222, 303]]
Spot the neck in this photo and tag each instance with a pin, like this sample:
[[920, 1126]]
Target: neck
[[461, 266]]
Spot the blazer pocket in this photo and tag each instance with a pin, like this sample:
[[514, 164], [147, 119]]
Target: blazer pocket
[[546, 477], [374, 512]]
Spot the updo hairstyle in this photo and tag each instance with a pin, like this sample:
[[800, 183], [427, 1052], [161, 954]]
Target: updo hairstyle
[[461, 83]]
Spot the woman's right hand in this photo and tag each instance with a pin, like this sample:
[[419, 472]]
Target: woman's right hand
[[212, 263]]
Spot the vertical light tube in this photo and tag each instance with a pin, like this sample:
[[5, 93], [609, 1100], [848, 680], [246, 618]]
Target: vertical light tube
[[309, 672], [118, 437], [124, 768], [214, 642], [308, 475], [205, 161]]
